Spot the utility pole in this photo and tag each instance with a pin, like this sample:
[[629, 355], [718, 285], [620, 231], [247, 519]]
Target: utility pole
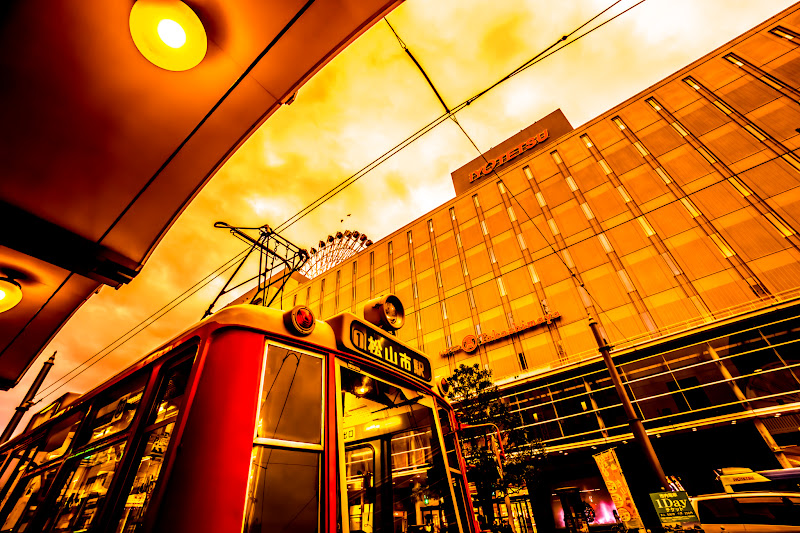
[[27, 401], [634, 421]]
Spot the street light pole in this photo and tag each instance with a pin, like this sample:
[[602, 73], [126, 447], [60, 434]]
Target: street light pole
[[634, 421], [27, 401]]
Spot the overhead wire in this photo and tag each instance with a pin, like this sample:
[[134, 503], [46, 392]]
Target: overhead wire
[[141, 326], [482, 154], [435, 122], [341, 186], [737, 174]]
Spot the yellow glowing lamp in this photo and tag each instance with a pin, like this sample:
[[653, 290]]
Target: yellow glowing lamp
[[10, 294], [168, 33]]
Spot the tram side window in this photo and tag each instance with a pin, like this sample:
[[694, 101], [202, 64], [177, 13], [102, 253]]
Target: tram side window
[[769, 509], [146, 478], [86, 489], [58, 439], [158, 434], [721, 511], [450, 442], [17, 464], [291, 397], [28, 501], [9, 469], [284, 491], [461, 501], [44, 415], [114, 411]]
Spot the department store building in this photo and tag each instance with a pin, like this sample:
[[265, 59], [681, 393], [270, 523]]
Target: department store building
[[673, 219]]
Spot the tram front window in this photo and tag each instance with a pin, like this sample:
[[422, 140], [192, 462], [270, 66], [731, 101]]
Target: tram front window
[[396, 476]]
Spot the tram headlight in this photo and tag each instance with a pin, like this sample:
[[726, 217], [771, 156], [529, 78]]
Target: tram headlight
[[299, 320], [386, 312]]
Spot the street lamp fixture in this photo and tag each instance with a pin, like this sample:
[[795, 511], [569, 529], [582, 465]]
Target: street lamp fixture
[[10, 294], [168, 34]]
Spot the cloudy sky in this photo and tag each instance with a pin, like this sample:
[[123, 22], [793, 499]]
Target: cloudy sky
[[367, 100]]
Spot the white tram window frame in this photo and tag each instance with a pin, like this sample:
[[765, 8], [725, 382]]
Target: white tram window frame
[[261, 442], [284, 443]]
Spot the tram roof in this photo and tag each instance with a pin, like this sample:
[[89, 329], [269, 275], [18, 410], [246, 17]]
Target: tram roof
[[326, 335], [102, 149]]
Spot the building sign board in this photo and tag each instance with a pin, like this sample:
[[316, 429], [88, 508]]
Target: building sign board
[[470, 343], [673, 508], [528, 141], [362, 338], [492, 164], [743, 477], [617, 486]]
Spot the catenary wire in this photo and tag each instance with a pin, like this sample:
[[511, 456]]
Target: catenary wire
[[552, 49], [141, 326], [737, 174], [431, 125], [482, 154]]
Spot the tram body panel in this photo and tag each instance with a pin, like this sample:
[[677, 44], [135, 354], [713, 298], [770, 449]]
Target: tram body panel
[[259, 433], [217, 440]]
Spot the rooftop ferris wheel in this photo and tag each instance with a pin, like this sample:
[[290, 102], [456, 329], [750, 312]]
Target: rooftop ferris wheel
[[333, 251]]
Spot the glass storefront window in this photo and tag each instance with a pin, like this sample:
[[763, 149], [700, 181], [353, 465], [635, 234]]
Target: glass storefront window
[[114, 411], [86, 489], [291, 397], [145, 480]]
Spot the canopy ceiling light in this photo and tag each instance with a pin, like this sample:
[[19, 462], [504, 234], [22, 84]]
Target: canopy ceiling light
[[168, 33], [10, 294]]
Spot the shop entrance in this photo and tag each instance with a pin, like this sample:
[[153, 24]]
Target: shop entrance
[[523, 516]]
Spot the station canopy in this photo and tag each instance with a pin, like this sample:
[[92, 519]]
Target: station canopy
[[101, 149]]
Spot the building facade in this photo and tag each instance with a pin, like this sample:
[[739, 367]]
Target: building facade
[[673, 220]]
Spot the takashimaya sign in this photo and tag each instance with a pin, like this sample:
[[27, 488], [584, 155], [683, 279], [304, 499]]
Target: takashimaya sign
[[492, 164], [470, 343]]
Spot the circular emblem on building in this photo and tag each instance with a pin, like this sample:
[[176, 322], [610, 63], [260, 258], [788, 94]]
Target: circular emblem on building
[[469, 344]]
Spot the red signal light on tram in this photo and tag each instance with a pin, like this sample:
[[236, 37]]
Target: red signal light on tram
[[300, 320], [305, 318]]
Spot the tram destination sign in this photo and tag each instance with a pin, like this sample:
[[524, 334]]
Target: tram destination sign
[[362, 338]]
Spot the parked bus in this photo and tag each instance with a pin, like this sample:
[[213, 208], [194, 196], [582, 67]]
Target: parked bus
[[254, 420]]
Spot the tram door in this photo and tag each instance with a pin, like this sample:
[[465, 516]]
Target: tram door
[[390, 485], [394, 467]]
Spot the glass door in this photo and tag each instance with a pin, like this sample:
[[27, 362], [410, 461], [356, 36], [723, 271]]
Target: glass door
[[394, 474]]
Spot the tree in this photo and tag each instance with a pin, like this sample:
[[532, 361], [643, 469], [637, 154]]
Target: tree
[[478, 403]]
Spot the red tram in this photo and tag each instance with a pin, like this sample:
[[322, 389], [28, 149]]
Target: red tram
[[254, 420]]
